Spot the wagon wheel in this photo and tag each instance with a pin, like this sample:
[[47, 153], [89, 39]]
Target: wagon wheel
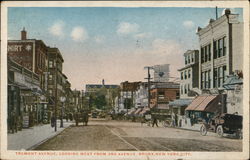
[[219, 131], [203, 130]]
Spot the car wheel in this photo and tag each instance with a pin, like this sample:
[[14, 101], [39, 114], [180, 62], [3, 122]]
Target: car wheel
[[239, 134], [203, 130], [219, 131]]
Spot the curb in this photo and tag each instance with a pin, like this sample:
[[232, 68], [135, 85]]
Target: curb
[[46, 139]]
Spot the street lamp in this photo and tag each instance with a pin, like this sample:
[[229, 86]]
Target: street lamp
[[62, 99]]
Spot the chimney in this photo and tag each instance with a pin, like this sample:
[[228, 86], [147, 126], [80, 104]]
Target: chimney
[[23, 34], [103, 82]]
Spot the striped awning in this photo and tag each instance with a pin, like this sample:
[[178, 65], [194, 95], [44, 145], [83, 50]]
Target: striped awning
[[138, 111], [200, 103]]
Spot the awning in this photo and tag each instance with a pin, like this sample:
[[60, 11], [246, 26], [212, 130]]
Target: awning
[[162, 106], [201, 103], [146, 109], [180, 102], [131, 111], [138, 111]]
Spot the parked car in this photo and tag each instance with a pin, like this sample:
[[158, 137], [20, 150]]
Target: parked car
[[223, 123]]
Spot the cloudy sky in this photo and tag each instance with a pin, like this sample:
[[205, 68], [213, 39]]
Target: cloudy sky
[[113, 43]]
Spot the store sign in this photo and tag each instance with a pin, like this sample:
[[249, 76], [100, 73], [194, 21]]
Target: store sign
[[20, 47]]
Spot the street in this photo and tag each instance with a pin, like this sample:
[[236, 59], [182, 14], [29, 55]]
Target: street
[[131, 136]]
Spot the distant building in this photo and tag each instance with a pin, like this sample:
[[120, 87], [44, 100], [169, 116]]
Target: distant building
[[92, 88], [163, 93], [161, 73], [189, 74], [221, 50]]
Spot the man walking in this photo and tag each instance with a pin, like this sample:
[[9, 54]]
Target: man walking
[[155, 121]]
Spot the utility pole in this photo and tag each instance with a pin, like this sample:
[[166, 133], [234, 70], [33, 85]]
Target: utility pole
[[216, 12], [148, 78]]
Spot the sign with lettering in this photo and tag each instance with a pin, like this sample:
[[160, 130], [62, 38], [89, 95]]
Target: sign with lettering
[[21, 52]]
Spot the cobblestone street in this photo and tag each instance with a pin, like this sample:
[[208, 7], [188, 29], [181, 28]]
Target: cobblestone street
[[128, 136]]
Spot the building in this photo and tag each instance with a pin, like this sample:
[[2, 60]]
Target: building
[[92, 88], [141, 95], [31, 54], [163, 93], [221, 50], [189, 74], [55, 79], [161, 73], [126, 98], [26, 102]]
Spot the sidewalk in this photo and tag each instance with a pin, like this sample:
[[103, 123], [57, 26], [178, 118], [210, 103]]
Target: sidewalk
[[28, 138]]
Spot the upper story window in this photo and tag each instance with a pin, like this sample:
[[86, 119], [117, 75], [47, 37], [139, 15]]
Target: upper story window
[[185, 74], [220, 48], [50, 64], [181, 75], [189, 73], [192, 55], [188, 58], [206, 53], [185, 59]]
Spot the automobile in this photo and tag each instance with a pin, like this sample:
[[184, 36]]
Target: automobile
[[223, 123], [94, 114]]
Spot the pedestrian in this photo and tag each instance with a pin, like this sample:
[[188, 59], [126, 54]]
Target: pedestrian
[[85, 118], [155, 122], [76, 118], [52, 120]]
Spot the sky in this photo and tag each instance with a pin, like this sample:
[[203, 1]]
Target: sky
[[113, 43]]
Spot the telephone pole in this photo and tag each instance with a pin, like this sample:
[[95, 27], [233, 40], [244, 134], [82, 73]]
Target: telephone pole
[[148, 78]]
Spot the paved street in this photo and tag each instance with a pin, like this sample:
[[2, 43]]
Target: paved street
[[128, 136]]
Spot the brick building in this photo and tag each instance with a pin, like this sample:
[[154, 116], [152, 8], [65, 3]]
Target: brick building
[[31, 54]]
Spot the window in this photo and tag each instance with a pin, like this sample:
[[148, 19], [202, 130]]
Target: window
[[220, 75], [181, 75], [185, 75], [50, 77], [202, 55], [220, 47], [185, 59], [50, 92], [188, 88], [209, 52], [161, 95], [188, 58], [224, 46], [209, 79], [202, 80], [215, 49], [215, 78], [181, 89], [50, 64], [189, 73], [192, 57], [185, 89], [205, 53]]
